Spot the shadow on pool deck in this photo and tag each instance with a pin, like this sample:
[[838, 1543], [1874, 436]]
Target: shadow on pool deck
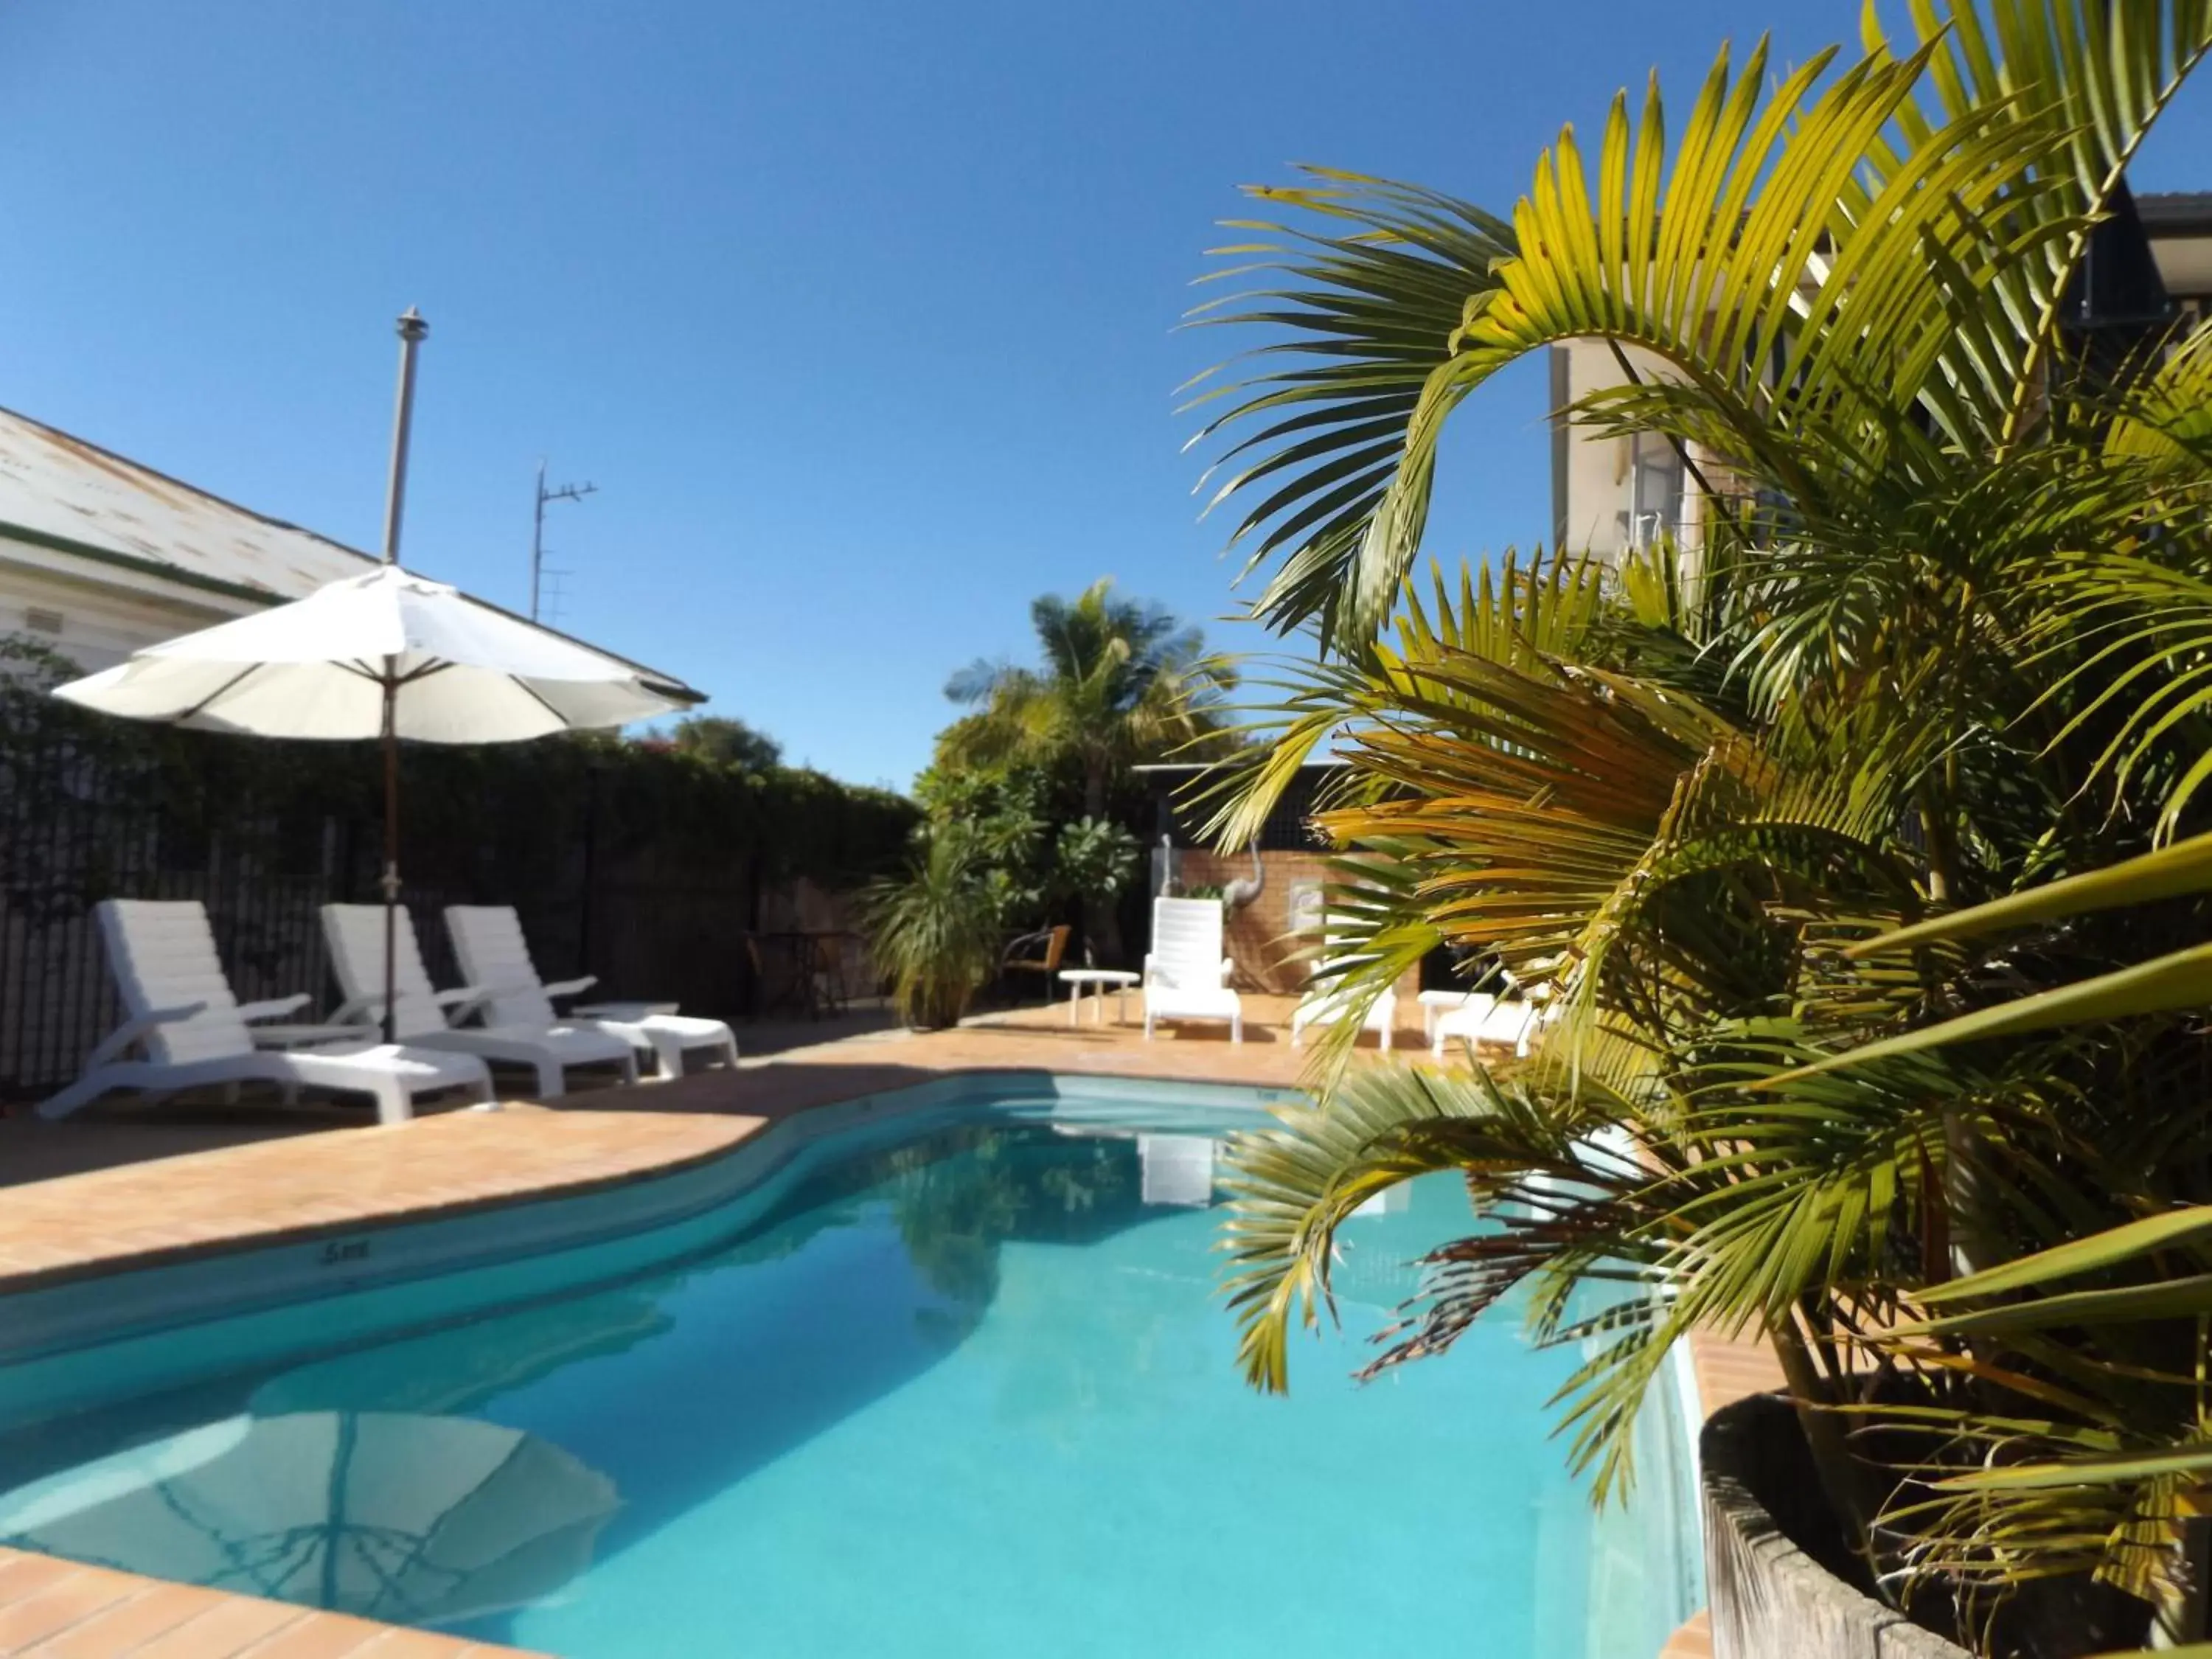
[[118, 1131], [124, 1185]]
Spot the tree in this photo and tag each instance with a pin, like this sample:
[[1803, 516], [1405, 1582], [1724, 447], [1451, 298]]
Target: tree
[[730, 742], [1121, 682], [1815, 835]]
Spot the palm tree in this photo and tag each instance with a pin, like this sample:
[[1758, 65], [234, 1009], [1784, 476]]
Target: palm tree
[[1121, 682], [1812, 834]]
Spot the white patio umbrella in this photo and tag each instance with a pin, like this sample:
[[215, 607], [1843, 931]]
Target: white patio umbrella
[[388, 655]]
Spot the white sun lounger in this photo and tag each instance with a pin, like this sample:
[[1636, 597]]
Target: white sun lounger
[[1434, 1005], [179, 1009], [1186, 975], [1334, 1007], [1487, 1023], [489, 942], [1329, 1004], [355, 935]]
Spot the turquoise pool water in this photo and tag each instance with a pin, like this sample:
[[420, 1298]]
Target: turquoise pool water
[[966, 1389]]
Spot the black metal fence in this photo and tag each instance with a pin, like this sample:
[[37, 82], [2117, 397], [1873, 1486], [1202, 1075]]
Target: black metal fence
[[601, 887]]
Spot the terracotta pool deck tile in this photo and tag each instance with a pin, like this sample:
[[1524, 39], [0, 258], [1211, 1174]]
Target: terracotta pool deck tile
[[1731, 1369], [272, 1191], [1693, 1641], [68, 1599], [126, 1625], [391, 1642], [95, 1612], [227, 1629], [23, 1576], [328, 1636]]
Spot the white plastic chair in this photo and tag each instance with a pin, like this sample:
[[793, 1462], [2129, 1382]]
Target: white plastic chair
[[1487, 1023], [178, 1008], [493, 951], [1332, 1007], [425, 1017], [1328, 1003], [1434, 1005], [1186, 975]]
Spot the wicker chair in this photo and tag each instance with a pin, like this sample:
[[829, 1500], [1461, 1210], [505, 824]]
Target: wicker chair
[[1040, 953]]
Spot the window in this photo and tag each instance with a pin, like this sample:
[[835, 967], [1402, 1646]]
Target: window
[[1655, 487]]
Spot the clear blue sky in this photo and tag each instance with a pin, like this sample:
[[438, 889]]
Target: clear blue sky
[[858, 312]]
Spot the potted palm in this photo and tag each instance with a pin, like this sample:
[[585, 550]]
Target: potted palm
[[1813, 826], [935, 929]]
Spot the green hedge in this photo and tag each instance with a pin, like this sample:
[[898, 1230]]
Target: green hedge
[[497, 816]]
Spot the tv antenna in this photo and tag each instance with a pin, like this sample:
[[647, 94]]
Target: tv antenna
[[565, 493]]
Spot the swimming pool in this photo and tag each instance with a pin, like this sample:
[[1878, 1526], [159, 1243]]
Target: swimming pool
[[952, 1380]]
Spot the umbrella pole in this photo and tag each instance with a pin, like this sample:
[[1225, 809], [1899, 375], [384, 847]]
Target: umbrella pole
[[391, 882], [412, 330]]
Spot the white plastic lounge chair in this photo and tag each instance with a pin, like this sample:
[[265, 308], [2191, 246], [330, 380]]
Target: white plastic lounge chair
[[355, 935], [1329, 1004], [1186, 975], [489, 942], [1487, 1023], [1434, 1005], [1332, 1007], [178, 1007]]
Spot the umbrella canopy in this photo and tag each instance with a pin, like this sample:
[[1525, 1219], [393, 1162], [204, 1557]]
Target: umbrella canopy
[[418, 1520], [320, 667]]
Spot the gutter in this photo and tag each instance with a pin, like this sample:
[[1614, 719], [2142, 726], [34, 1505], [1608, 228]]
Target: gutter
[[168, 573]]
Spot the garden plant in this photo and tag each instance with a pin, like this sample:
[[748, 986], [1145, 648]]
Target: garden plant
[[1862, 837]]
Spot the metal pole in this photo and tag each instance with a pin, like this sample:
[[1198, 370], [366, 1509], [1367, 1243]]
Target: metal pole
[[391, 882], [565, 493], [537, 541], [412, 331]]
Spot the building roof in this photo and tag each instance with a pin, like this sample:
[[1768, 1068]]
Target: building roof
[[61, 492], [58, 491], [2176, 212]]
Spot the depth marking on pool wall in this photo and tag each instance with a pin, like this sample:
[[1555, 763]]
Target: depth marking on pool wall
[[350, 1249]]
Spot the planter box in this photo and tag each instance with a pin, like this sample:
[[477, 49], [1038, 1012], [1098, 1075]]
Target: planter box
[[1771, 1599]]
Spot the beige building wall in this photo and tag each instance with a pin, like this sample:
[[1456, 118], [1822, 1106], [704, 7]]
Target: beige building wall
[[56, 601], [1610, 494], [1596, 503]]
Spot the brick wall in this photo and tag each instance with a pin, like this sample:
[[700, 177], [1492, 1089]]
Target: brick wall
[[1260, 941], [1268, 955]]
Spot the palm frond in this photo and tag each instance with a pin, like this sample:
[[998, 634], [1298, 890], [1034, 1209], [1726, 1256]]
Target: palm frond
[[1374, 278]]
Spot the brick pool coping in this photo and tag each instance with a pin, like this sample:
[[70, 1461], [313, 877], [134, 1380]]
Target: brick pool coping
[[107, 1220]]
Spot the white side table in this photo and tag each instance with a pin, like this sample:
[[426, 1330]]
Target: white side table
[[1098, 978]]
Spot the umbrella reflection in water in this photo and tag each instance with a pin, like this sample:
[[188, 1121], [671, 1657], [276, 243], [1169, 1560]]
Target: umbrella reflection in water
[[396, 1516]]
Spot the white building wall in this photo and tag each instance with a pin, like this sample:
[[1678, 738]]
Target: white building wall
[[95, 614], [1594, 493]]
